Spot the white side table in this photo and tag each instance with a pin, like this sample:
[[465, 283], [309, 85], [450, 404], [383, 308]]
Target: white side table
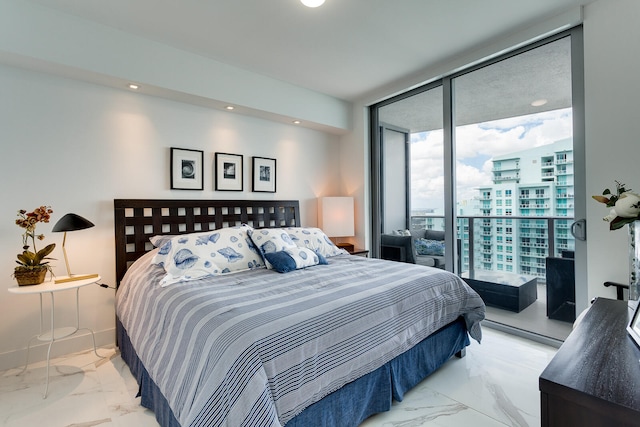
[[55, 334]]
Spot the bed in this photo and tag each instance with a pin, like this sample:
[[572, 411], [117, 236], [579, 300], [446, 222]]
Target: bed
[[327, 345]]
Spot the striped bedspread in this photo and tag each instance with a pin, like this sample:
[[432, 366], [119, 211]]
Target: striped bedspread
[[255, 348]]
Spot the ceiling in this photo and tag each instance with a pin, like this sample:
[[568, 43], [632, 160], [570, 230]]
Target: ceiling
[[503, 89], [345, 48]]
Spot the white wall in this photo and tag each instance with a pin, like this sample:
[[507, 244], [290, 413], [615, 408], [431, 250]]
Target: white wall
[[354, 171], [76, 146], [612, 90]]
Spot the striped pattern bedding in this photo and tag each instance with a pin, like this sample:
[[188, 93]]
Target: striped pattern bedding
[[257, 347]]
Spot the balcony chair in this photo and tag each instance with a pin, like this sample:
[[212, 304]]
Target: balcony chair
[[402, 248], [620, 287]]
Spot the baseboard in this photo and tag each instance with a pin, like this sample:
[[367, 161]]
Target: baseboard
[[552, 342], [38, 353]]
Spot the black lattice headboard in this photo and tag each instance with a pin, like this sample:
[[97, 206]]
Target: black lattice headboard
[[136, 220]]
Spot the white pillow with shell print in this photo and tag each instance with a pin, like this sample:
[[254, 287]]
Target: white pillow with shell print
[[314, 239], [197, 255], [270, 240]]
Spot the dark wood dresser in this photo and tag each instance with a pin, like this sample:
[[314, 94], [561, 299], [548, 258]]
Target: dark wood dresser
[[594, 378]]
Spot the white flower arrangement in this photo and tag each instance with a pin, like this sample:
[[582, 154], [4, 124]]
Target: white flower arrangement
[[625, 206]]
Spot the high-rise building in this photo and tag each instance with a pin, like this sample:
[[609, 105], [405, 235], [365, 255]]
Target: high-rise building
[[520, 219], [535, 188]]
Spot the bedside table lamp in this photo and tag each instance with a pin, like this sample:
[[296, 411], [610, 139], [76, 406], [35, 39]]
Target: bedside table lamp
[[71, 222], [335, 217]]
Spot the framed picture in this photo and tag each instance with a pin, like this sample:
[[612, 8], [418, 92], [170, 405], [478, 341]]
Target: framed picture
[[229, 172], [634, 326], [264, 175], [186, 169]]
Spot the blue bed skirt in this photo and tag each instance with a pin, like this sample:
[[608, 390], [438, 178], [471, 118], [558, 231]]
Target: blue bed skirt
[[348, 406]]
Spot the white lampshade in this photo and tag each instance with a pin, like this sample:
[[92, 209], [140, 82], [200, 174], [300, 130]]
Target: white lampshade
[[335, 216]]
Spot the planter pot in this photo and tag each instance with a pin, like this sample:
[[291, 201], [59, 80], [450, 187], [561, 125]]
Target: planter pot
[[30, 277]]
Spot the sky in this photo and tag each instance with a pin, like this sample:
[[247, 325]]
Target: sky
[[476, 145]]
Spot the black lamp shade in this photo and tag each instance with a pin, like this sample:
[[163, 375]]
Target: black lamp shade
[[72, 222]]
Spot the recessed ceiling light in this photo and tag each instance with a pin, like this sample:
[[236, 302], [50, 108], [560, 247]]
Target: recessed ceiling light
[[133, 86], [296, 122], [229, 107], [312, 3], [539, 102]]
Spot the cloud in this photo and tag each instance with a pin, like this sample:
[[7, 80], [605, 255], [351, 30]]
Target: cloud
[[473, 144], [469, 179], [504, 136], [427, 170]]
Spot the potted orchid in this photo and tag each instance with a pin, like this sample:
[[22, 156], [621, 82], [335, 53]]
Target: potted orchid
[[32, 265], [624, 204]]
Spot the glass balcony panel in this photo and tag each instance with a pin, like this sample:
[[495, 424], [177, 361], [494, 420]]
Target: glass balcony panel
[[528, 243]]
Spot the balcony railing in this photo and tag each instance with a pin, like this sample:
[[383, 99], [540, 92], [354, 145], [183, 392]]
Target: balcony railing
[[526, 254], [506, 178], [534, 206], [529, 225]]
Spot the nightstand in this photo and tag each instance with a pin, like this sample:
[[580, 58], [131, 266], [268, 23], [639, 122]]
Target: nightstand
[[55, 334], [359, 252]]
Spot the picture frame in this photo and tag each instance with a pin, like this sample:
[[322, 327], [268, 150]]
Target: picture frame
[[634, 325], [229, 172], [186, 169], [264, 175]]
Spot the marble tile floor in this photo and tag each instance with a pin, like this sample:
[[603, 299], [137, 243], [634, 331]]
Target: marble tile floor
[[496, 384]]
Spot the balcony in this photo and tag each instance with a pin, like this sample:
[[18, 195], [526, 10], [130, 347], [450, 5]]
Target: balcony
[[563, 161], [534, 245], [535, 225], [506, 178], [524, 254], [566, 246], [536, 206], [536, 264], [533, 235], [544, 229]]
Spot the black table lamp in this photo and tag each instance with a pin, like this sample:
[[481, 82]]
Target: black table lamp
[[72, 222]]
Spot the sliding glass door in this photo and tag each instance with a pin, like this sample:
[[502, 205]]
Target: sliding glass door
[[493, 155], [515, 174]]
